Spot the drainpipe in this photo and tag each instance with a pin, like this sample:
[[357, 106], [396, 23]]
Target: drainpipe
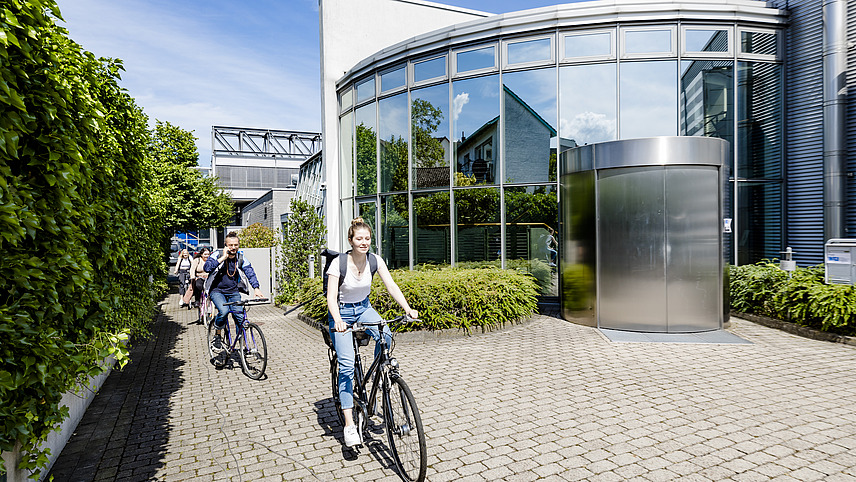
[[834, 106]]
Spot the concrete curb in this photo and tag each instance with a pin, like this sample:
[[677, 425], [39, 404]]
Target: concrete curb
[[796, 329]]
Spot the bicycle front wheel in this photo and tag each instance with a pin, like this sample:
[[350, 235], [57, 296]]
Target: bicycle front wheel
[[404, 431], [206, 312], [253, 352]]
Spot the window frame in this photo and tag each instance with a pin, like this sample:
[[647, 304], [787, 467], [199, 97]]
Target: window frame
[[741, 55], [411, 67], [475, 72], [589, 58], [729, 53], [396, 89], [506, 65], [622, 42]]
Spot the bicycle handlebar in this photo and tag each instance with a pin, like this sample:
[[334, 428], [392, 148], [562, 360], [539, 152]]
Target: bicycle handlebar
[[361, 325], [251, 301]]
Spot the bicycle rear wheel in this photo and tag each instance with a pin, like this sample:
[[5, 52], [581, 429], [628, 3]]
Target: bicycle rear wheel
[[218, 357], [253, 350], [404, 431]]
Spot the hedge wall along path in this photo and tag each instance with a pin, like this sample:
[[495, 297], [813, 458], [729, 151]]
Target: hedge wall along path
[[74, 227], [446, 298]]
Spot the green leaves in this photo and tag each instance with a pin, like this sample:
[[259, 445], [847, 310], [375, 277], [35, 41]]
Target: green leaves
[[303, 237]]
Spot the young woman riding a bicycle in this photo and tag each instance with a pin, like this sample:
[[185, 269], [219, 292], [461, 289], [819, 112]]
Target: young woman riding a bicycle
[[348, 302]]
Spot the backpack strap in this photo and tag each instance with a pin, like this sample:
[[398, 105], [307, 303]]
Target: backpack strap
[[343, 265], [372, 263]]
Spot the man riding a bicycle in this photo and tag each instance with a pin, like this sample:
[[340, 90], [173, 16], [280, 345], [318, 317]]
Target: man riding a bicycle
[[229, 275]]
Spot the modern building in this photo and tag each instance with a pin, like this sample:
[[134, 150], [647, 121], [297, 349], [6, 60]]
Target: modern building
[[442, 126]]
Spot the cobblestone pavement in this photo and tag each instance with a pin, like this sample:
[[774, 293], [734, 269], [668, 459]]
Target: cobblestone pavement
[[542, 400]]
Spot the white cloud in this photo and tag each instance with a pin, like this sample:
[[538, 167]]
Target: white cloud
[[458, 104], [588, 127]]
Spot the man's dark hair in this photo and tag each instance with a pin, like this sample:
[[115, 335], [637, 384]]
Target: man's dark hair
[[232, 234]]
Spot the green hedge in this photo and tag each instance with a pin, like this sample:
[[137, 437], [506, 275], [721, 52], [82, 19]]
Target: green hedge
[[536, 268], [802, 298], [446, 297]]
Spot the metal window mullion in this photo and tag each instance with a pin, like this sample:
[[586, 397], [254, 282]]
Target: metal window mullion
[[453, 222], [410, 223], [501, 160]]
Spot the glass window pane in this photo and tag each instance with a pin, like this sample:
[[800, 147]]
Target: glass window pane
[[391, 80], [429, 113], [346, 99], [529, 51], [530, 119], [588, 45], [346, 155], [759, 120], [483, 58], [393, 143], [429, 69], [431, 214], [368, 211], [366, 149], [366, 90], [588, 104], [647, 41], [706, 40], [532, 243], [394, 235], [648, 99], [475, 120], [759, 221], [707, 100], [347, 214], [762, 43], [477, 224]]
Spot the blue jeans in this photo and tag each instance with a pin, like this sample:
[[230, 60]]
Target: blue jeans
[[219, 299], [344, 344]]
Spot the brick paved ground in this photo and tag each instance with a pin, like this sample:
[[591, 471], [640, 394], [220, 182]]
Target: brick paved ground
[[544, 400]]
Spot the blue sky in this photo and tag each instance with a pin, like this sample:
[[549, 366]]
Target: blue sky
[[198, 63]]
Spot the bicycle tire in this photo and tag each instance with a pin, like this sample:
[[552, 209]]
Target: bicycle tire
[[218, 358], [207, 315], [334, 375], [253, 351], [402, 420]]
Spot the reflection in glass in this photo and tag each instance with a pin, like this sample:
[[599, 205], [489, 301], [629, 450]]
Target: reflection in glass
[[366, 89], [588, 108], [429, 113], [761, 43], [647, 41], [368, 211], [431, 222], [588, 45], [346, 154], [759, 221], [529, 51], [648, 99], [475, 121], [366, 149], [393, 143], [477, 224], [706, 99], [531, 240], [394, 231], [346, 99], [759, 120], [706, 40], [483, 58], [346, 215], [429, 69], [530, 114], [392, 79]]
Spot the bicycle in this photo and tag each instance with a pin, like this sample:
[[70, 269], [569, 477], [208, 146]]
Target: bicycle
[[403, 423], [249, 342], [206, 309]]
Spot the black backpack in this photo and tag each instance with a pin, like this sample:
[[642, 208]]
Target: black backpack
[[331, 255]]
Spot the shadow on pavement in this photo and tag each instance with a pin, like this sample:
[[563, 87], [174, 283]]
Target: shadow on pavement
[[124, 433]]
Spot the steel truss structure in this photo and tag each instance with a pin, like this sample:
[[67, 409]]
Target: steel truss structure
[[265, 143]]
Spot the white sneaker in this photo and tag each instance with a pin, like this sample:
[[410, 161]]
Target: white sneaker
[[352, 436]]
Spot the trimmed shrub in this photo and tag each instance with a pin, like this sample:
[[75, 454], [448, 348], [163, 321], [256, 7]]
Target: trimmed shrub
[[446, 297], [536, 268], [802, 298]]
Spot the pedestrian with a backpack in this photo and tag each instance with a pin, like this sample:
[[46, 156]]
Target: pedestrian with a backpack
[[348, 302]]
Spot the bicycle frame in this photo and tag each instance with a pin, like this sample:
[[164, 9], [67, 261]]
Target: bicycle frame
[[375, 371]]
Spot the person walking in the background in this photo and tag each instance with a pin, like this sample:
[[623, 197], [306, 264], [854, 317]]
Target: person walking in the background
[[552, 247], [182, 270], [197, 277]]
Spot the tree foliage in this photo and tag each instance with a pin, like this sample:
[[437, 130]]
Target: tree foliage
[[74, 216], [257, 235], [182, 195], [303, 237]]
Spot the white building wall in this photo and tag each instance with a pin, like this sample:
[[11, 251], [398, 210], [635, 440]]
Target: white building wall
[[352, 30]]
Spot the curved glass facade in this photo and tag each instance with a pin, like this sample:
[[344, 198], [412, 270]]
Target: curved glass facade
[[451, 153]]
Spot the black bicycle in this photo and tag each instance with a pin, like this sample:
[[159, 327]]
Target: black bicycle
[[249, 342], [400, 418]]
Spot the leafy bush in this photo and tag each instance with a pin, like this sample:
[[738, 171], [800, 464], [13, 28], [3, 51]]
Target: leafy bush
[[802, 298], [446, 297], [257, 235], [536, 268], [303, 237]]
